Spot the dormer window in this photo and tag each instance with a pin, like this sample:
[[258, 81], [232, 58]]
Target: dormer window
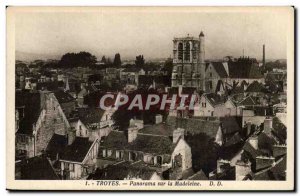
[[104, 153]]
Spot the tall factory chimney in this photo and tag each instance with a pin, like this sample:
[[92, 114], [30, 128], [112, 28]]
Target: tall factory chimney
[[264, 55]]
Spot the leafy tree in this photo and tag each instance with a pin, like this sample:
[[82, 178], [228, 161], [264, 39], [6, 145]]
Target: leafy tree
[[81, 59], [103, 60], [117, 60], [169, 66], [140, 61]]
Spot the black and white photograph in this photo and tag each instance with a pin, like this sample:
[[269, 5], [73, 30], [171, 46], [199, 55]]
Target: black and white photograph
[[150, 98]]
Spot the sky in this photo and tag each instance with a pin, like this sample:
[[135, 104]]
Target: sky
[[131, 32]]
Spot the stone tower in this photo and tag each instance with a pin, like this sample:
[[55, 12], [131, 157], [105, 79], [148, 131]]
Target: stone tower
[[189, 61]]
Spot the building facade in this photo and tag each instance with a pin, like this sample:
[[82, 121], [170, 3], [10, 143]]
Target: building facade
[[189, 62]]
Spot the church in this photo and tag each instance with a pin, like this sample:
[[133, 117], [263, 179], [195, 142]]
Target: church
[[189, 62]]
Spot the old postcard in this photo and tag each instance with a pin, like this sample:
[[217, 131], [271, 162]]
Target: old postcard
[[150, 98]]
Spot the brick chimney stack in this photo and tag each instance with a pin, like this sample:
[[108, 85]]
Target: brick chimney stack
[[177, 133], [158, 119], [268, 125], [132, 131]]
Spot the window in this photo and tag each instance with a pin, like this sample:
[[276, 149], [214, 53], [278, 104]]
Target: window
[[66, 166], [117, 154], [79, 127], [210, 74], [132, 156], [109, 153], [187, 52], [104, 154], [71, 167], [180, 51], [148, 158]]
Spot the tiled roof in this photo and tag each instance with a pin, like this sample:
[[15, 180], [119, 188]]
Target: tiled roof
[[250, 101], [215, 99], [153, 144], [266, 142], [50, 86], [200, 175], [219, 67], [77, 151], [158, 129], [56, 145], [235, 139], [231, 124], [253, 153], [276, 172], [37, 168], [244, 68], [255, 87], [122, 171], [279, 130], [63, 97], [90, 115], [195, 126], [31, 111], [145, 143]]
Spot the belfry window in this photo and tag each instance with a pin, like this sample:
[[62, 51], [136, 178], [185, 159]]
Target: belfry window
[[180, 51], [187, 51]]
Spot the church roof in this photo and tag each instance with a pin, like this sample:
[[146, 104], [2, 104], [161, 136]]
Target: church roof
[[220, 69]]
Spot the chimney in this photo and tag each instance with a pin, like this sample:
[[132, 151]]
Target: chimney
[[242, 169], [71, 135], [268, 125], [249, 128], [177, 133], [158, 118], [253, 140], [264, 57], [222, 165], [132, 131], [179, 90]]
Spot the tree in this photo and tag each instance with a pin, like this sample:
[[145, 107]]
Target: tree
[[169, 66], [108, 61], [117, 60], [103, 60], [140, 61], [81, 59]]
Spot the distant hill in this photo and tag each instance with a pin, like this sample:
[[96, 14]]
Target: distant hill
[[26, 56]]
